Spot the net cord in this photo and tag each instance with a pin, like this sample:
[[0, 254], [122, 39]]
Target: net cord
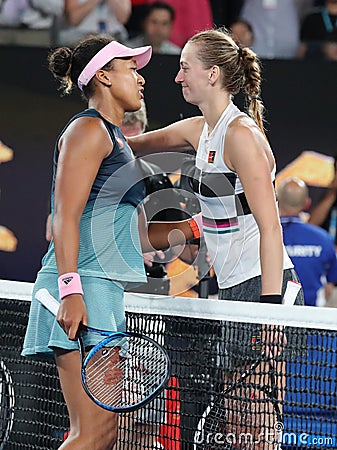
[[234, 311]]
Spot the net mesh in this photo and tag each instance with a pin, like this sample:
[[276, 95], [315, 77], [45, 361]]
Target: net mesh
[[243, 377]]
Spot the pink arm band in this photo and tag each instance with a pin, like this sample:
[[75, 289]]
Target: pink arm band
[[69, 283]]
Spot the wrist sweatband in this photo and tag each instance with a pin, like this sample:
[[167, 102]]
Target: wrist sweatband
[[195, 224], [272, 298], [69, 283]]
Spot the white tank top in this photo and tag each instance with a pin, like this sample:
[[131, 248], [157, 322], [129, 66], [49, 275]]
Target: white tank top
[[231, 232]]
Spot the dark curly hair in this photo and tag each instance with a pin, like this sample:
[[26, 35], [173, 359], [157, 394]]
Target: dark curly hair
[[67, 64]]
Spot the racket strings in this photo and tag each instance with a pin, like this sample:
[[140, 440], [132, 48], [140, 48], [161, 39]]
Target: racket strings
[[133, 388], [7, 404], [100, 365], [135, 376], [97, 379], [235, 419]]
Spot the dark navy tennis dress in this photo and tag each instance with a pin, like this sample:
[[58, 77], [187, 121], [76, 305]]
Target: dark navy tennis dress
[[109, 254]]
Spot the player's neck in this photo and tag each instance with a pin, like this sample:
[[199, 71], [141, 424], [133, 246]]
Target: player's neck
[[108, 112], [213, 112]]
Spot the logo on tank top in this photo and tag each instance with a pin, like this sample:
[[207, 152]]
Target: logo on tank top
[[119, 141], [211, 156]]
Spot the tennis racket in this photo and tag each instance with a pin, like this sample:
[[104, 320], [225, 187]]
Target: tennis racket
[[231, 420], [123, 371], [235, 409], [7, 403]]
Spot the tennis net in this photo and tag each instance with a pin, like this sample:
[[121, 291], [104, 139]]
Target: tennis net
[[244, 376]]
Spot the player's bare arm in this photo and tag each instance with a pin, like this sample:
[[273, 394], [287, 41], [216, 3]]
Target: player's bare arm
[[180, 136]]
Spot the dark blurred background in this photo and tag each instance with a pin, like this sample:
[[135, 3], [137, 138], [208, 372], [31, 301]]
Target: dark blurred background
[[300, 99]]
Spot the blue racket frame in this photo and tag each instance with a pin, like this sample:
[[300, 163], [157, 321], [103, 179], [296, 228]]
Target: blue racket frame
[[109, 337]]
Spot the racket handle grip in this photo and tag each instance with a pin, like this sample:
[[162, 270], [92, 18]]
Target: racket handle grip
[[291, 292], [82, 328], [47, 300]]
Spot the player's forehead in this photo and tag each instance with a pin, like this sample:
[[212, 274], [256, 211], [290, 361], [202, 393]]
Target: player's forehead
[[188, 55]]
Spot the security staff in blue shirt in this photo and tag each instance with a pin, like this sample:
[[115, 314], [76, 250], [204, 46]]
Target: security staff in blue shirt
[[310, 248]]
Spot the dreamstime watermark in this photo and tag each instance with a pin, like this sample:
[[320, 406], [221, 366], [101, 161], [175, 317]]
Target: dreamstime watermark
[[308, 440], [277, 435]]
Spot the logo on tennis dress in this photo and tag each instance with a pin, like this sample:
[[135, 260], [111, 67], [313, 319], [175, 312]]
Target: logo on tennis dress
[[211, 156], [68, 280]]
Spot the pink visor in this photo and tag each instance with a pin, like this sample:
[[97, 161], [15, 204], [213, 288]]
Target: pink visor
[[111, 51]]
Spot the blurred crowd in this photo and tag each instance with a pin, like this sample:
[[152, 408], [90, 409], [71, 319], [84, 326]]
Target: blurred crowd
[[274, 29]]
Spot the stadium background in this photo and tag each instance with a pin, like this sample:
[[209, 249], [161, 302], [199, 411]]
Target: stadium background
[[300, 97]]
